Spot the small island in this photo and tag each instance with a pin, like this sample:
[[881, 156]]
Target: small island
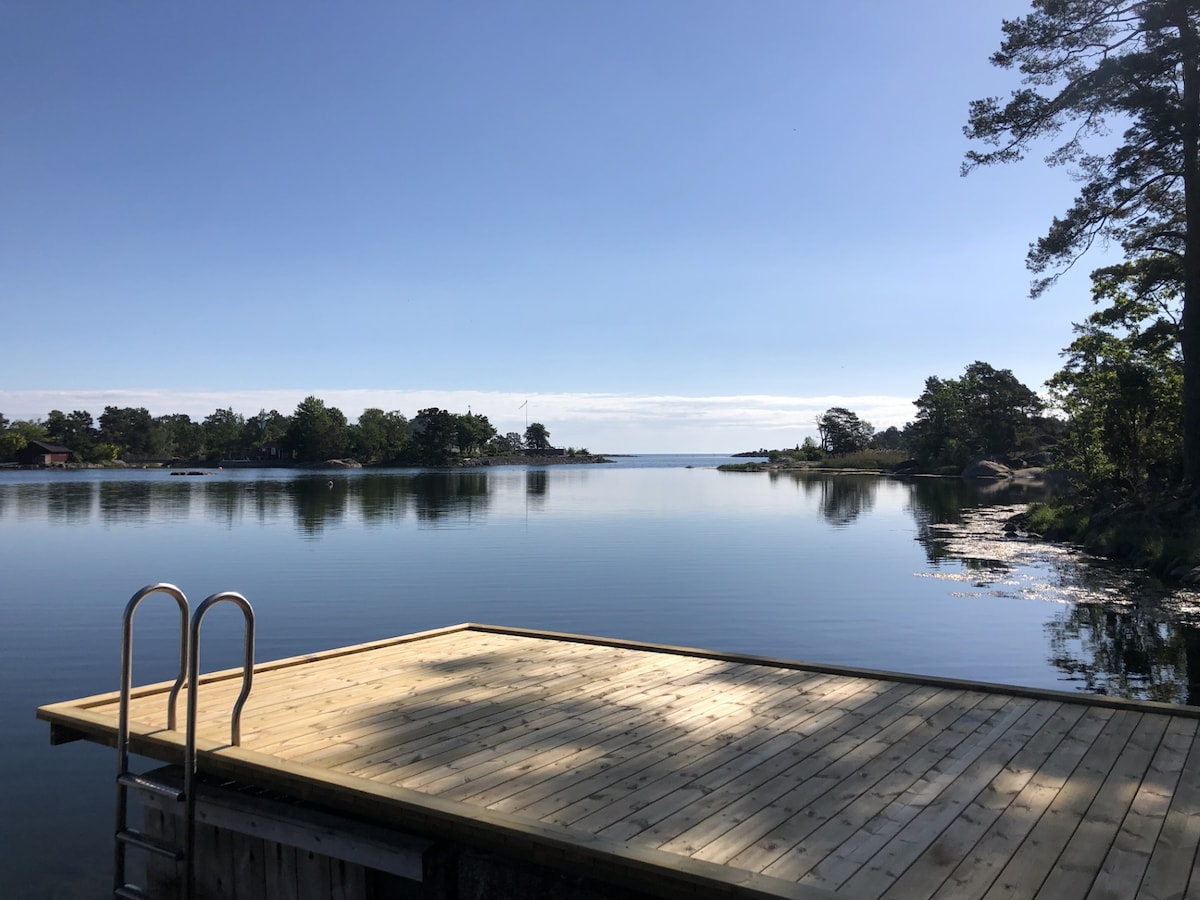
[[314, 436]]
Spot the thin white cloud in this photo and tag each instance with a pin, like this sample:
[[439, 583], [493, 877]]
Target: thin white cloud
[[610, 422]]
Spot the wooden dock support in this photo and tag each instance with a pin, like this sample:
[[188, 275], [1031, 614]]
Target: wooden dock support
[[264, 846]]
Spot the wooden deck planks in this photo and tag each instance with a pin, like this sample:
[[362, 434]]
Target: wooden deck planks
[[1078, 866], [410, 752], [862, 783], [639, 794], [406, 718], [762, 829], [684, 730], [1176, 856], [682, 822], [623, 724], [834, 847], [1127, 861]]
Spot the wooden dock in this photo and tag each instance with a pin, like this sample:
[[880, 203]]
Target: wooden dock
[[671, 771]]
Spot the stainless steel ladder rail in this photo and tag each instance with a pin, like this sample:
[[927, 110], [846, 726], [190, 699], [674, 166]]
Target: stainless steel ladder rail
[[124, 836], [193, 678]]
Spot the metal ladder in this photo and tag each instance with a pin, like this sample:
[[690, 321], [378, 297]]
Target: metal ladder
[[189, 672]]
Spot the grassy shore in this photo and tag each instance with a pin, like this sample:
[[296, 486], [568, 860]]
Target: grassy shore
[[1161, 535], [866, 461]]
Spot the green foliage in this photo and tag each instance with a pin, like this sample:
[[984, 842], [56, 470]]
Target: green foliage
[[380, 437], [178, 437], [472, 432], [986, 412], [316, 432], [891, 438], [223, 435], [74, 430], [505, 444], [261, 428], [1086, 62], [868, 460], [1122, 385], [313, 433], [1064, 522], [537, 437], [434, 436], [128, 429], [843, 432], [15, 436]]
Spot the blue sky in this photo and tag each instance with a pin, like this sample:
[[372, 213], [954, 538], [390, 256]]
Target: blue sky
[[669, 225]]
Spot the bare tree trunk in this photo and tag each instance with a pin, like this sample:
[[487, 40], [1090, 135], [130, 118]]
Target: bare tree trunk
[[1190, 132]]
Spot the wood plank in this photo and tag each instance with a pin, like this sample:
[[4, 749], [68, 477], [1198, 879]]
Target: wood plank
[[826, 856], [672, 804], [381, 750], [277, 823], [629, 780], [733, 829], [270, 703], [939, 800], [985, 860], [1174, 869], [350, 724], [451, 729], [634, 766], [280, 879], [766, 834], [671, 708], [826, 734], [1123, 869], [1028, 866], [274, 701], [247, 867], [312, 876], [903, 796], [1076, 870], [674, 767], [936, 864]]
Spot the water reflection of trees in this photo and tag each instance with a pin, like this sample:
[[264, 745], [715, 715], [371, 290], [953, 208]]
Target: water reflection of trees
[[444, 495], [1134, 652], [935, 503], [125, 502], [317, 503], [537, 486], [1118, 633], [69, 500], [312, 502], [841, 498]]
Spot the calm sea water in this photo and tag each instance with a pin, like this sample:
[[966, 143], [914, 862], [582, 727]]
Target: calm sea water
[[848, 569]]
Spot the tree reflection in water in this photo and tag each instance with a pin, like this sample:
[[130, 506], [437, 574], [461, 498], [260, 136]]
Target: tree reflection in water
[[1127, 653], [1119, 632], [841, 497]]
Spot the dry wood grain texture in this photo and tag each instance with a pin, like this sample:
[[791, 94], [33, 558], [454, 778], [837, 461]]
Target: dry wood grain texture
[[808, 779]]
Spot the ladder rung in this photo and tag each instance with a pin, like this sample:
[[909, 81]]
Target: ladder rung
[[131, 892], [146, 842], [141, 782]]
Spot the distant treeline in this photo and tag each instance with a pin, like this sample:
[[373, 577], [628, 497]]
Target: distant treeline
[[1117, 404], [985, 413], [312, 433]]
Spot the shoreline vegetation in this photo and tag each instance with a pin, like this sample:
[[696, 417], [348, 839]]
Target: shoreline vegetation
[[315, 434], [1160, 536]]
